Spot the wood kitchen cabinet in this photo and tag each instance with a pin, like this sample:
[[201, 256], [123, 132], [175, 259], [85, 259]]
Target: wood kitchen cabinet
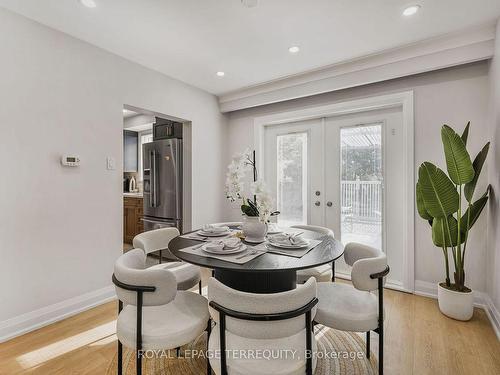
[[132, 215]]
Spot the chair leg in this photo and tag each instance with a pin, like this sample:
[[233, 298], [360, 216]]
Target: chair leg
[[159, 261], [178, 352], [381, 349], [138, 363], [120, 356], [333, 271], [209, 330], [368, 344], [199, 287]]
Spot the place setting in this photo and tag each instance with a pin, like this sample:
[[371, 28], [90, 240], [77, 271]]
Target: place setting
[[227, 249], [210, 232], [289, 244]]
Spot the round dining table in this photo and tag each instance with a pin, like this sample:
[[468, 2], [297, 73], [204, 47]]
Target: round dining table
[[267, 273]]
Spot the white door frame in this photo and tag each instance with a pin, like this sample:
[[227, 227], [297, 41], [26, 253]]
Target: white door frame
[[402, 99]]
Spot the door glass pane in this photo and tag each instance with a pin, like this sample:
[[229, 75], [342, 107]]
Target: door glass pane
[[292, 178], [361, 185]]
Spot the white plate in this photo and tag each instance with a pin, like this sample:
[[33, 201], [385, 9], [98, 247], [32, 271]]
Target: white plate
[[237, 250], [290, 246], [213, 234]]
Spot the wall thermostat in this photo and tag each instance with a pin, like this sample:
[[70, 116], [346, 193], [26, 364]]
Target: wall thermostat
[[70, 161]]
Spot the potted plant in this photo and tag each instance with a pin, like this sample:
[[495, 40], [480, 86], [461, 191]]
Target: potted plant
[[256, 209], [447, 203]]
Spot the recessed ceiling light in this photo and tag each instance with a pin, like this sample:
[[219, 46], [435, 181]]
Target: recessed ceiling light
[[410, 11], [294, 49], [88, 3], [220, 74]]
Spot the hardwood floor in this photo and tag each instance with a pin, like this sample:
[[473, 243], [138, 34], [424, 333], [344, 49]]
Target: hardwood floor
[[419, 340]]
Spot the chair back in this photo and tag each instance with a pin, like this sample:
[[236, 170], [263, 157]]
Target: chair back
[[273, 303], [156, 239], [365, 261], [130, 268], [315, 228]]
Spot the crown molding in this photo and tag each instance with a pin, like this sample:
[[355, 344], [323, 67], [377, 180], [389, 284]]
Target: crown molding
[[466, 46]]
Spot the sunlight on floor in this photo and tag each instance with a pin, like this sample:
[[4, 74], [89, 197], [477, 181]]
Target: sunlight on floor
[[46, 353]]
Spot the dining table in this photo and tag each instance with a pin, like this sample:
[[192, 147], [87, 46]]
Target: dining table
[[268, 272]]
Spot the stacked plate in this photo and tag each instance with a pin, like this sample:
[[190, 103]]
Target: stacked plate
[[287, 241], [214, 231], [224, 247]]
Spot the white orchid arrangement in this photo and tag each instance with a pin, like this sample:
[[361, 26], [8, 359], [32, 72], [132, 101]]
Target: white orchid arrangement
[[261, 203]]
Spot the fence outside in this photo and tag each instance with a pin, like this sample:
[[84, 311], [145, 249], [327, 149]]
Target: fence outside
[[361, 200]]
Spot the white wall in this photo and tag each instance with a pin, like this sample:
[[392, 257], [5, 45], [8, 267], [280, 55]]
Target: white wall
[[61, 228], [493, 282], [451, 96]]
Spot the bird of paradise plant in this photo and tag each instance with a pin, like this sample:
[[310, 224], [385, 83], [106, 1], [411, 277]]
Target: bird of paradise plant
[[440, 201]]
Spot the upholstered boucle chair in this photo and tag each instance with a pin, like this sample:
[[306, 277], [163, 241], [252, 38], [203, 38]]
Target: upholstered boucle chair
[[187, 275], [355, 307], [153, 315], [254, 322]]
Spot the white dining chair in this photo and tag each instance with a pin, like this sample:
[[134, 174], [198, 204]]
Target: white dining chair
[[325, 272], [354, 307], [258, 322], [187, 275], [152, 314]]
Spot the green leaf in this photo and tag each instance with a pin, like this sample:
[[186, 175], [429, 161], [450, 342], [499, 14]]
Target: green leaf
[[478, 166], [458, 160], [248, 210], [437, 191], [437, 232], [465, 134], [420, 204], [475, 211]]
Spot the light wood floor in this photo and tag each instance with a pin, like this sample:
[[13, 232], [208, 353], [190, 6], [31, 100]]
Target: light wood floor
[[419, 340]]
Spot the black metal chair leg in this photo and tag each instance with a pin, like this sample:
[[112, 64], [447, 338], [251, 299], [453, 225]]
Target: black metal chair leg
[[209, 331], [333, 271], [120, 346], [199, 287], [178, 352], [381, 350], [368, 344], [120, 356], [160, 260], [139, 335]]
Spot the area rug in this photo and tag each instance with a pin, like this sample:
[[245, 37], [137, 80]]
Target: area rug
[[338, 353]]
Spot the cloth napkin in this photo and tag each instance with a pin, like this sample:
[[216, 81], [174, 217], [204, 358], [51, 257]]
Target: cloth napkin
[[211, 228], [225, 244], [287, 239]]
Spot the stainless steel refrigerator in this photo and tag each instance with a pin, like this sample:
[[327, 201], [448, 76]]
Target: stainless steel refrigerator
[[162, 178]]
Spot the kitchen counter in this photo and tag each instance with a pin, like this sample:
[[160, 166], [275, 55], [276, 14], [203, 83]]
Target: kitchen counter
[[132, 195]]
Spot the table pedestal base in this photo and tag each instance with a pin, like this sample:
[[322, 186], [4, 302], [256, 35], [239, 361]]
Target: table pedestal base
[[258, 282]]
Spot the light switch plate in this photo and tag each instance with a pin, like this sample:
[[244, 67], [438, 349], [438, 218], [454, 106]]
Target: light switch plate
[[111, 163]]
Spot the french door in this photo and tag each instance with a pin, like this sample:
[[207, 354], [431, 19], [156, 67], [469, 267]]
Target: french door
[[345, 173]]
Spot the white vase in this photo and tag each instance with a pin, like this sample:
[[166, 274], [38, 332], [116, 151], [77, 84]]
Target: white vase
[[456, 305], [254, 229]]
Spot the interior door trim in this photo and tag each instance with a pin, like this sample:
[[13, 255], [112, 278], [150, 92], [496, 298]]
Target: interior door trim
[[404, 99]]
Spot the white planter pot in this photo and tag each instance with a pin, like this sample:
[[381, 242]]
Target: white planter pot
[[456, 305], [254, 229]]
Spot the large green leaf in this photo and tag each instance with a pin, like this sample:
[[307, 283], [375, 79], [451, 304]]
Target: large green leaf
[[465, 134], [475, 211], [437, 191], [420, 204], [458, 160], [439, 228], [478, 166]]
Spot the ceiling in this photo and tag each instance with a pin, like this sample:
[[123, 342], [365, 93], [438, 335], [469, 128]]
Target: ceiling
[[193, 39]]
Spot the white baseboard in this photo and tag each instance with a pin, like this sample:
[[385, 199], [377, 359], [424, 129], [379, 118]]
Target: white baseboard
[[481, 300], [493, 314], [47, 315]]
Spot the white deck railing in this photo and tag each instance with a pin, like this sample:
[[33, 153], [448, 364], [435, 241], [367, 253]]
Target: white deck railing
[[362, 200]]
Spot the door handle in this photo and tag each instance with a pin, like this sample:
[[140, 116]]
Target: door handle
[[317, 203], [329, 204]]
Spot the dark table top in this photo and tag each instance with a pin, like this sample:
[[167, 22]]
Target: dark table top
[[327, 251]]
